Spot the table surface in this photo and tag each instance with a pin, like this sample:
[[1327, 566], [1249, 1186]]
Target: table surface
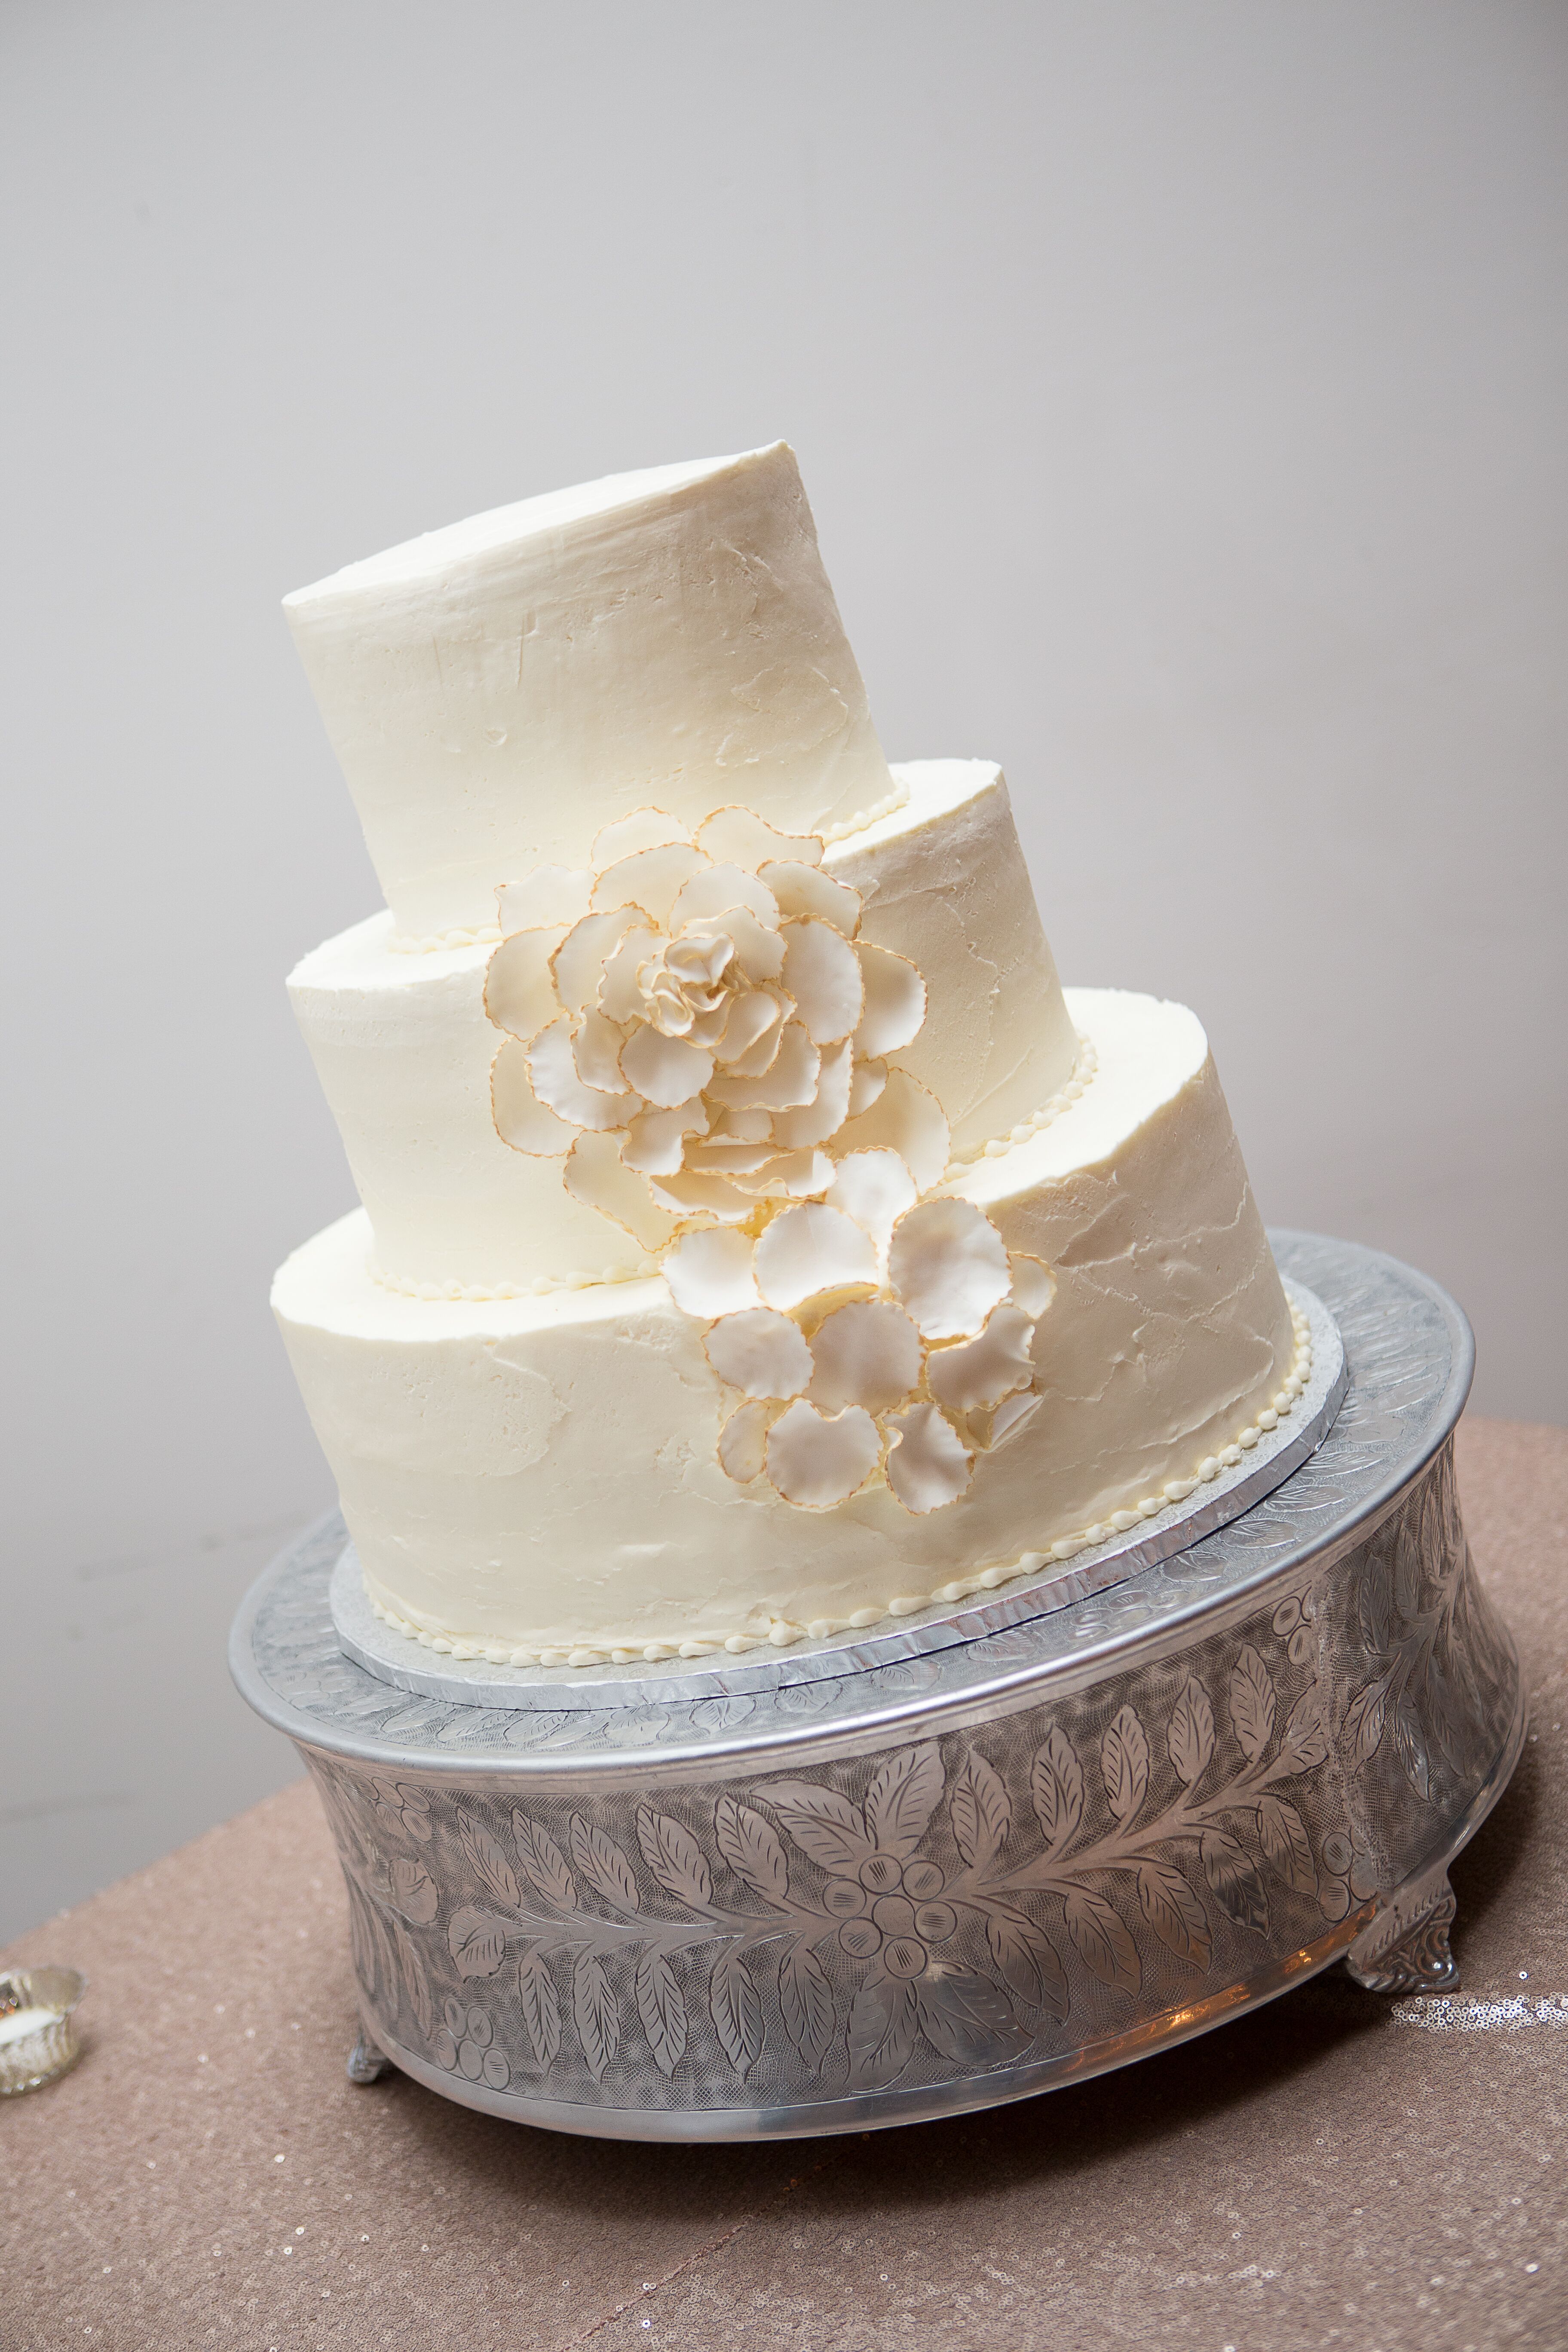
[[1336, 2170]]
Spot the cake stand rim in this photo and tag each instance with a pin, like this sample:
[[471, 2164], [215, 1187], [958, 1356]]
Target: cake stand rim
[[999, 1694]]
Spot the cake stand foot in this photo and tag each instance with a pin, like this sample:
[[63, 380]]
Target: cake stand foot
[[366, 2062], [1407, 1948]]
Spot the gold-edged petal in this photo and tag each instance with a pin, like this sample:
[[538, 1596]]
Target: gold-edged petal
[[716, 889], [641, 828], [521, 1118], [552, 898], [895, 1007], [876, 1188], [696, 1193], [743, 1440], [790, 1078], [655, 1141], [663, 1070], [1034, 1284], [578, 963], [906, 1118], [867, 1085], [868, 1353], [808, 1249], [709, 1274], [759, 950], [822, 973], [992, 1425], [595, 1175], [806, 890], [738, 837], [760, 1352], [984, 1370], [929, 1465], [597, 1050], [948, 1263], [817, 1462], [753, 1021], [620, 989], [816, 1121], [788, 1176], [519, 987], [552, 1067], [650, 878]]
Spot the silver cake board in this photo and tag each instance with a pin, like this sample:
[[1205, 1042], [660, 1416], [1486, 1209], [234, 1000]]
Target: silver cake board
[[995, 1850]]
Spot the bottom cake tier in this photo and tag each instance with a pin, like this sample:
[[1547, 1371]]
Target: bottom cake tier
[[538, 1480]]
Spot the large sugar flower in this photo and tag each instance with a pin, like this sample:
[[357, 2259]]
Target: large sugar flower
[[869, 1336], [690, 1021]]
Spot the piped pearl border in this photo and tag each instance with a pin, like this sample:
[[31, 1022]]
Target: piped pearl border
[[782, 1634], [1085, 1064]]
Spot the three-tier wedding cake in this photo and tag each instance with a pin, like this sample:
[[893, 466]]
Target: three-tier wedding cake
[[757, 1241]]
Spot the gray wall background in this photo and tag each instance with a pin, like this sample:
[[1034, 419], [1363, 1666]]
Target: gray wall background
[[1180, 389]]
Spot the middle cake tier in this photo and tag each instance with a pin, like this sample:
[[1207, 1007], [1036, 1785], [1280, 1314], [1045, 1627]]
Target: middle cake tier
[[404, 1049]]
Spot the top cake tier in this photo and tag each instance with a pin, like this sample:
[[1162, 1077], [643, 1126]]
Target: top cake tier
[[498, 691]]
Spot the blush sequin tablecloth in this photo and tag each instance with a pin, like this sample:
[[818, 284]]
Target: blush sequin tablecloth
[[1335, 2170]]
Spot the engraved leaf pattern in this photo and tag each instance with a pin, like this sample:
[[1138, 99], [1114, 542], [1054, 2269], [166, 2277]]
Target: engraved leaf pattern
[[540, 2006], [1029, 1961], [969, 2020], [736, 2008], [979, 1811], [600, 1860], [1191, 1737], [543, 1862], [594, 2014], [1410, 1746], [413, 1890], [675, 1858], [1282, 1835], [662, 2010], [1101, 1938], [881, 2036], [1056, 1785], [1124, 1764], [1306, 1741], [823, 1824], [806, 2003], [485, 1857], [1231, 1872], [1364, 1718], [1251, 1703], [1174, 1911], [901, 1798], [751, 1846], [412, 1971], [476, 1941]]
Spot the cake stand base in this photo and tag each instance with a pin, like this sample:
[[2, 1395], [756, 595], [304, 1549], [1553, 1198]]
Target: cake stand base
[[955, 1875]]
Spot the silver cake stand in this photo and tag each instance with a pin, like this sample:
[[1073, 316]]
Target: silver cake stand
[[994, 1849]]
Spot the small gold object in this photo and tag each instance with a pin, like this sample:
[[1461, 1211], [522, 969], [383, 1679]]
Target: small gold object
[[37, 2026]]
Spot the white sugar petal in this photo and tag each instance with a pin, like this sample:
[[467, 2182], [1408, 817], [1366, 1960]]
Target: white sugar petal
[[759, 950], [895, 1001], [868, 1353], [521, 1118], [760, 1352], [908, 1120], [552, 898], [816, 1121], [650, 878], [579, 961], [520, 988], [738, 837], [789, 1079], [876, 1188], [694, 1193], [552, 1067], [656, 1140], [928, 1462], [743, 1441], [789, 1175], [815, 1463], [805, 890], [620, 996], [822, 973], [983, 1372], [752, 1022], [993, 1425], [644, 828], [947, 1261], [1034, 1284], [810, 1248], [866, 1085], [709, 1274], [595, 1049], [730, 1158], [716, 889], [666, 1070], [595, 1175]]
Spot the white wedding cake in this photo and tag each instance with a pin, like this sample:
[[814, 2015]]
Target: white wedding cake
[[757, 1241]]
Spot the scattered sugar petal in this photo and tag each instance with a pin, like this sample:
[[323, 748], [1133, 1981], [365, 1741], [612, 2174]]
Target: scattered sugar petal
[[866, 1085], [642, 828], [789, 1080], [992, 1425], [579, 961], [814, 1122], [554, 1069], [817, 1463], [810, 1248], [716, 889], [908, 1120], [895, 1001], [666, 1070], [650, 878], [743, 1441], [805, 890], [789, 1176], [761, 1352], [552, 898], [983, 1372], [709, 1274], [521, 1118], [868, 1353], [595, 1175], [1034, 1284], [947, 1263], [696, 1193], [822, 973], [519, 987], [928, 1462], [740, 837], [656, 1140], [876, 1188]]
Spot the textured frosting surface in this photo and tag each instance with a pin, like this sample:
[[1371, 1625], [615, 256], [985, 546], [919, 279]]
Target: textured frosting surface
[[404, 1050], [498, 690], [543, 1471]]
